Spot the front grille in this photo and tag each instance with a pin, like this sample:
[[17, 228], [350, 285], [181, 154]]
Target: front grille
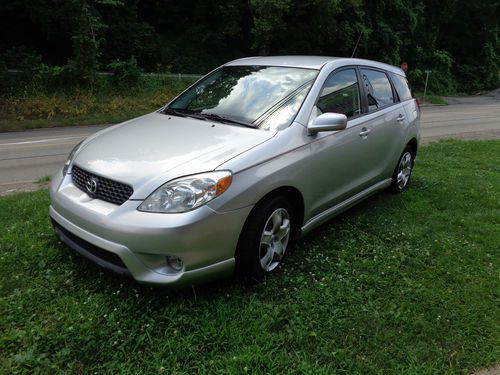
[[105, 189], [88, 250]]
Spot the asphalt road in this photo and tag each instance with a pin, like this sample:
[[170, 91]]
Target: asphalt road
[[28, 156], [465, 121]]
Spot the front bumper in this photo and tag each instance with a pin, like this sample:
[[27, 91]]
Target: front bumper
[[128, 241]]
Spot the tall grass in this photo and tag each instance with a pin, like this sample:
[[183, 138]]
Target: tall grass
[[38, 104]]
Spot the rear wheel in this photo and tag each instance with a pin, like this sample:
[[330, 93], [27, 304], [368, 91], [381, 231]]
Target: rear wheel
[[402, 173], [265, 239]]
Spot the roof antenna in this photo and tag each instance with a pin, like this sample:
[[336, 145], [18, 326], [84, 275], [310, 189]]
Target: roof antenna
[[356, 47]]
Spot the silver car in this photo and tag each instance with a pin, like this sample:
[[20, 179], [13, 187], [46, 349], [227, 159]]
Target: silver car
[[227, 175]]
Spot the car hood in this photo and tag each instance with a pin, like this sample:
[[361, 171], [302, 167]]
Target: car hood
[[151, 150]]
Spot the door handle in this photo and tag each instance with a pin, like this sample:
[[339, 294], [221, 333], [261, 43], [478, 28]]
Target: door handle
[[401, 118], [364, 132]]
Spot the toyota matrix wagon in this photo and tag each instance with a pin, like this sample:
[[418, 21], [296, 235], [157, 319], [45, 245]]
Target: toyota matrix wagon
[[227, 175]]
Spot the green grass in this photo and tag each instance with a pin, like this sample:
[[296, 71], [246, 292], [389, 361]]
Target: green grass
[[435, 99], [431, 98], [404, 284], [9, 124], [43, 180]]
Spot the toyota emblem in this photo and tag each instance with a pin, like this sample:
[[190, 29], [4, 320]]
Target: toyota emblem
[[92, 185]]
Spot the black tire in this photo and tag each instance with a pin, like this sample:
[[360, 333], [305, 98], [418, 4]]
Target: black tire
[[250, 251], [402, 173]]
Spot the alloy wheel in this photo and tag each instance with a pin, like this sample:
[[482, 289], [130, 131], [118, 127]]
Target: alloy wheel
[[404, 170], [274, 239]]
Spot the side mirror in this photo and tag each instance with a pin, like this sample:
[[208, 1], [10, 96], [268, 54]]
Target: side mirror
[[327, 122]]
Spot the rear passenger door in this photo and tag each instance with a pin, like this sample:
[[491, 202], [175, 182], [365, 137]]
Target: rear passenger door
[[410, 105], [382, 128]]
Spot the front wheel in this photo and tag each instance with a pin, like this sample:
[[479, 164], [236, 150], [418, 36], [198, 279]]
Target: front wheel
[[265, 239], [402, 173]]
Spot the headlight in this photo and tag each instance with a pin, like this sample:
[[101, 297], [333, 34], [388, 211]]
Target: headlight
[[70, 158], [187, 193]]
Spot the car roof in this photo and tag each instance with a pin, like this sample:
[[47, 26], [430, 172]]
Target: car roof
[[310, 62]]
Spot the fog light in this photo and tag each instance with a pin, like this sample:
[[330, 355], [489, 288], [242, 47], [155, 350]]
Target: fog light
[[174, 262]]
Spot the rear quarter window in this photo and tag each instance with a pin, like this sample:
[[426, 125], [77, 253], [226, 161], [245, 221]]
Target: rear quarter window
[[402, 87], [378, 89]]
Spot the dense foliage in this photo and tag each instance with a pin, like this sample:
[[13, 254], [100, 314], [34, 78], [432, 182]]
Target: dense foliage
[[459, 40]]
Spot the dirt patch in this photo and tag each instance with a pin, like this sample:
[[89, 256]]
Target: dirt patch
[[17, 187], [493, 370], [468, 136]]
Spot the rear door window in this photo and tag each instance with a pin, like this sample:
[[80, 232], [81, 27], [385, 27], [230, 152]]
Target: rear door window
[[340, 94], [402, 87], [378, 89]]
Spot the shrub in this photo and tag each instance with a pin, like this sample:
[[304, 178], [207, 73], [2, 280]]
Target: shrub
[[441, 80], [125, 73]]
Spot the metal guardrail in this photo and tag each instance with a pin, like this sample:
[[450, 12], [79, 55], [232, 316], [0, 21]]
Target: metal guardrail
[[180, 75], [170, 75]]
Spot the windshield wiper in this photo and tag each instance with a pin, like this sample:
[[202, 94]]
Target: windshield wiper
[[176, 112], [215, 117], [206, 116]]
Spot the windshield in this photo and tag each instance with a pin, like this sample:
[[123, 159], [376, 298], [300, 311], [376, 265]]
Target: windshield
[[267, 97]]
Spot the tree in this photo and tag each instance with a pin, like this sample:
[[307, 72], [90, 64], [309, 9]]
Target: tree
[[459, 40]]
